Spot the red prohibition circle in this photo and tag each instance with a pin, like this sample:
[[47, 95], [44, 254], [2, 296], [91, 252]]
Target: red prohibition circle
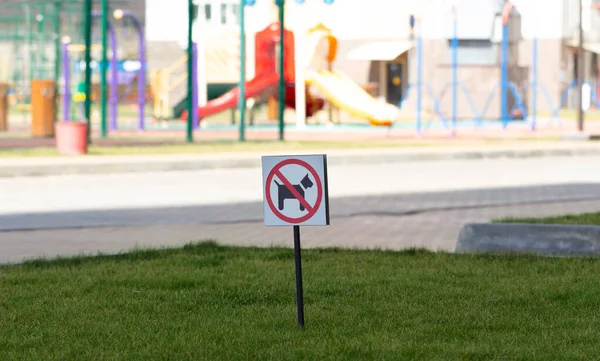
[[274, 209]]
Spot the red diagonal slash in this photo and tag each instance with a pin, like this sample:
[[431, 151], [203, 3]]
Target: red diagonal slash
[[291, 188]]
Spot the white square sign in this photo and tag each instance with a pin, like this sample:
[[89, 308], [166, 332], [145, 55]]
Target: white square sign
[[295, 190]]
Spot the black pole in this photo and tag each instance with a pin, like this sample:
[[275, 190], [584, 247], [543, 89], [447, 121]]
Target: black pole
[[299, 296]]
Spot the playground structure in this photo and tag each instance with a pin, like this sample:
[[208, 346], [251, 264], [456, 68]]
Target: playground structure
[[266, 76], [314, 91], [336, 87], [79, 95], [113, 84]]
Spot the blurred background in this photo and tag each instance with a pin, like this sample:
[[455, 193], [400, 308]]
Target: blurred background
[[435, 61]]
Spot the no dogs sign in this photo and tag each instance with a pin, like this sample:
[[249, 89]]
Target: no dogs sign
[[295, 194], [295, 190]]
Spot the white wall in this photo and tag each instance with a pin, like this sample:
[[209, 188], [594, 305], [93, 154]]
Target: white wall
[[380, 19], [544, 19], [166, 20], [358, 19], [555, 19], [259, 16]]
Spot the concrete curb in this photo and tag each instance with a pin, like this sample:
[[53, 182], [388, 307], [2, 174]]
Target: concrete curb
[[529, 238], [133, 164]]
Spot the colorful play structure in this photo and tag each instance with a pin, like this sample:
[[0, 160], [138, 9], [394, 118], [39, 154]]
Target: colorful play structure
[[334, 86], [266, 77], [282, 77]]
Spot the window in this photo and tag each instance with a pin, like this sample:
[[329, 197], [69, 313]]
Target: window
[[235, 12], [208, 12], [474, 52], [223, 14], [194, 11]]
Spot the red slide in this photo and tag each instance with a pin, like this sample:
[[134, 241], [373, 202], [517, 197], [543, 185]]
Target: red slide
[[266, 76], [231, 98]]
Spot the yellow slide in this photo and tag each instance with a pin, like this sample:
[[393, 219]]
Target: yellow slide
[[345, 94]]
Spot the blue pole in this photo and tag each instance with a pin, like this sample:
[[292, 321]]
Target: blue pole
[[454, 71], [504, 76], [534, 86], [419, 80]]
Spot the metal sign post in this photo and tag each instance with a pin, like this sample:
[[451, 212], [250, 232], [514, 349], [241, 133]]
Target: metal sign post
[[298, 261]]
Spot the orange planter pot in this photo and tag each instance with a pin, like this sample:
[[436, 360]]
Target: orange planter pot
[[71, 138]]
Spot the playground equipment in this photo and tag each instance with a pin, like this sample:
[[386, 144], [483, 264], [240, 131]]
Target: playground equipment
[[266, 76], [335, 86], [79, 96], [339, 89], [141, 95], [348, 96]]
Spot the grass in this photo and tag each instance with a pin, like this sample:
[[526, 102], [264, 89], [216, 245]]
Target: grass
[[206, 302], [212, 147], [572, 219]]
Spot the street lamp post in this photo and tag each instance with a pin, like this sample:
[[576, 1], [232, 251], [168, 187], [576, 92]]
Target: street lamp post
[[120, 14]]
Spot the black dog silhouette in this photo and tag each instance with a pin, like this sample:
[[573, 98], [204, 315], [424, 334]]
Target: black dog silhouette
[[284, 193]]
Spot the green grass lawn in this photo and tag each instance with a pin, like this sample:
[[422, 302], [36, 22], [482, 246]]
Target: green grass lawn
[[206, 302], [573, 219], [211, 147]]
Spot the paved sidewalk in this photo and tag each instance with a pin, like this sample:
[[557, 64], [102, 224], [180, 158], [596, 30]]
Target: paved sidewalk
[[386, 205], [435, 227], [43, 166]]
